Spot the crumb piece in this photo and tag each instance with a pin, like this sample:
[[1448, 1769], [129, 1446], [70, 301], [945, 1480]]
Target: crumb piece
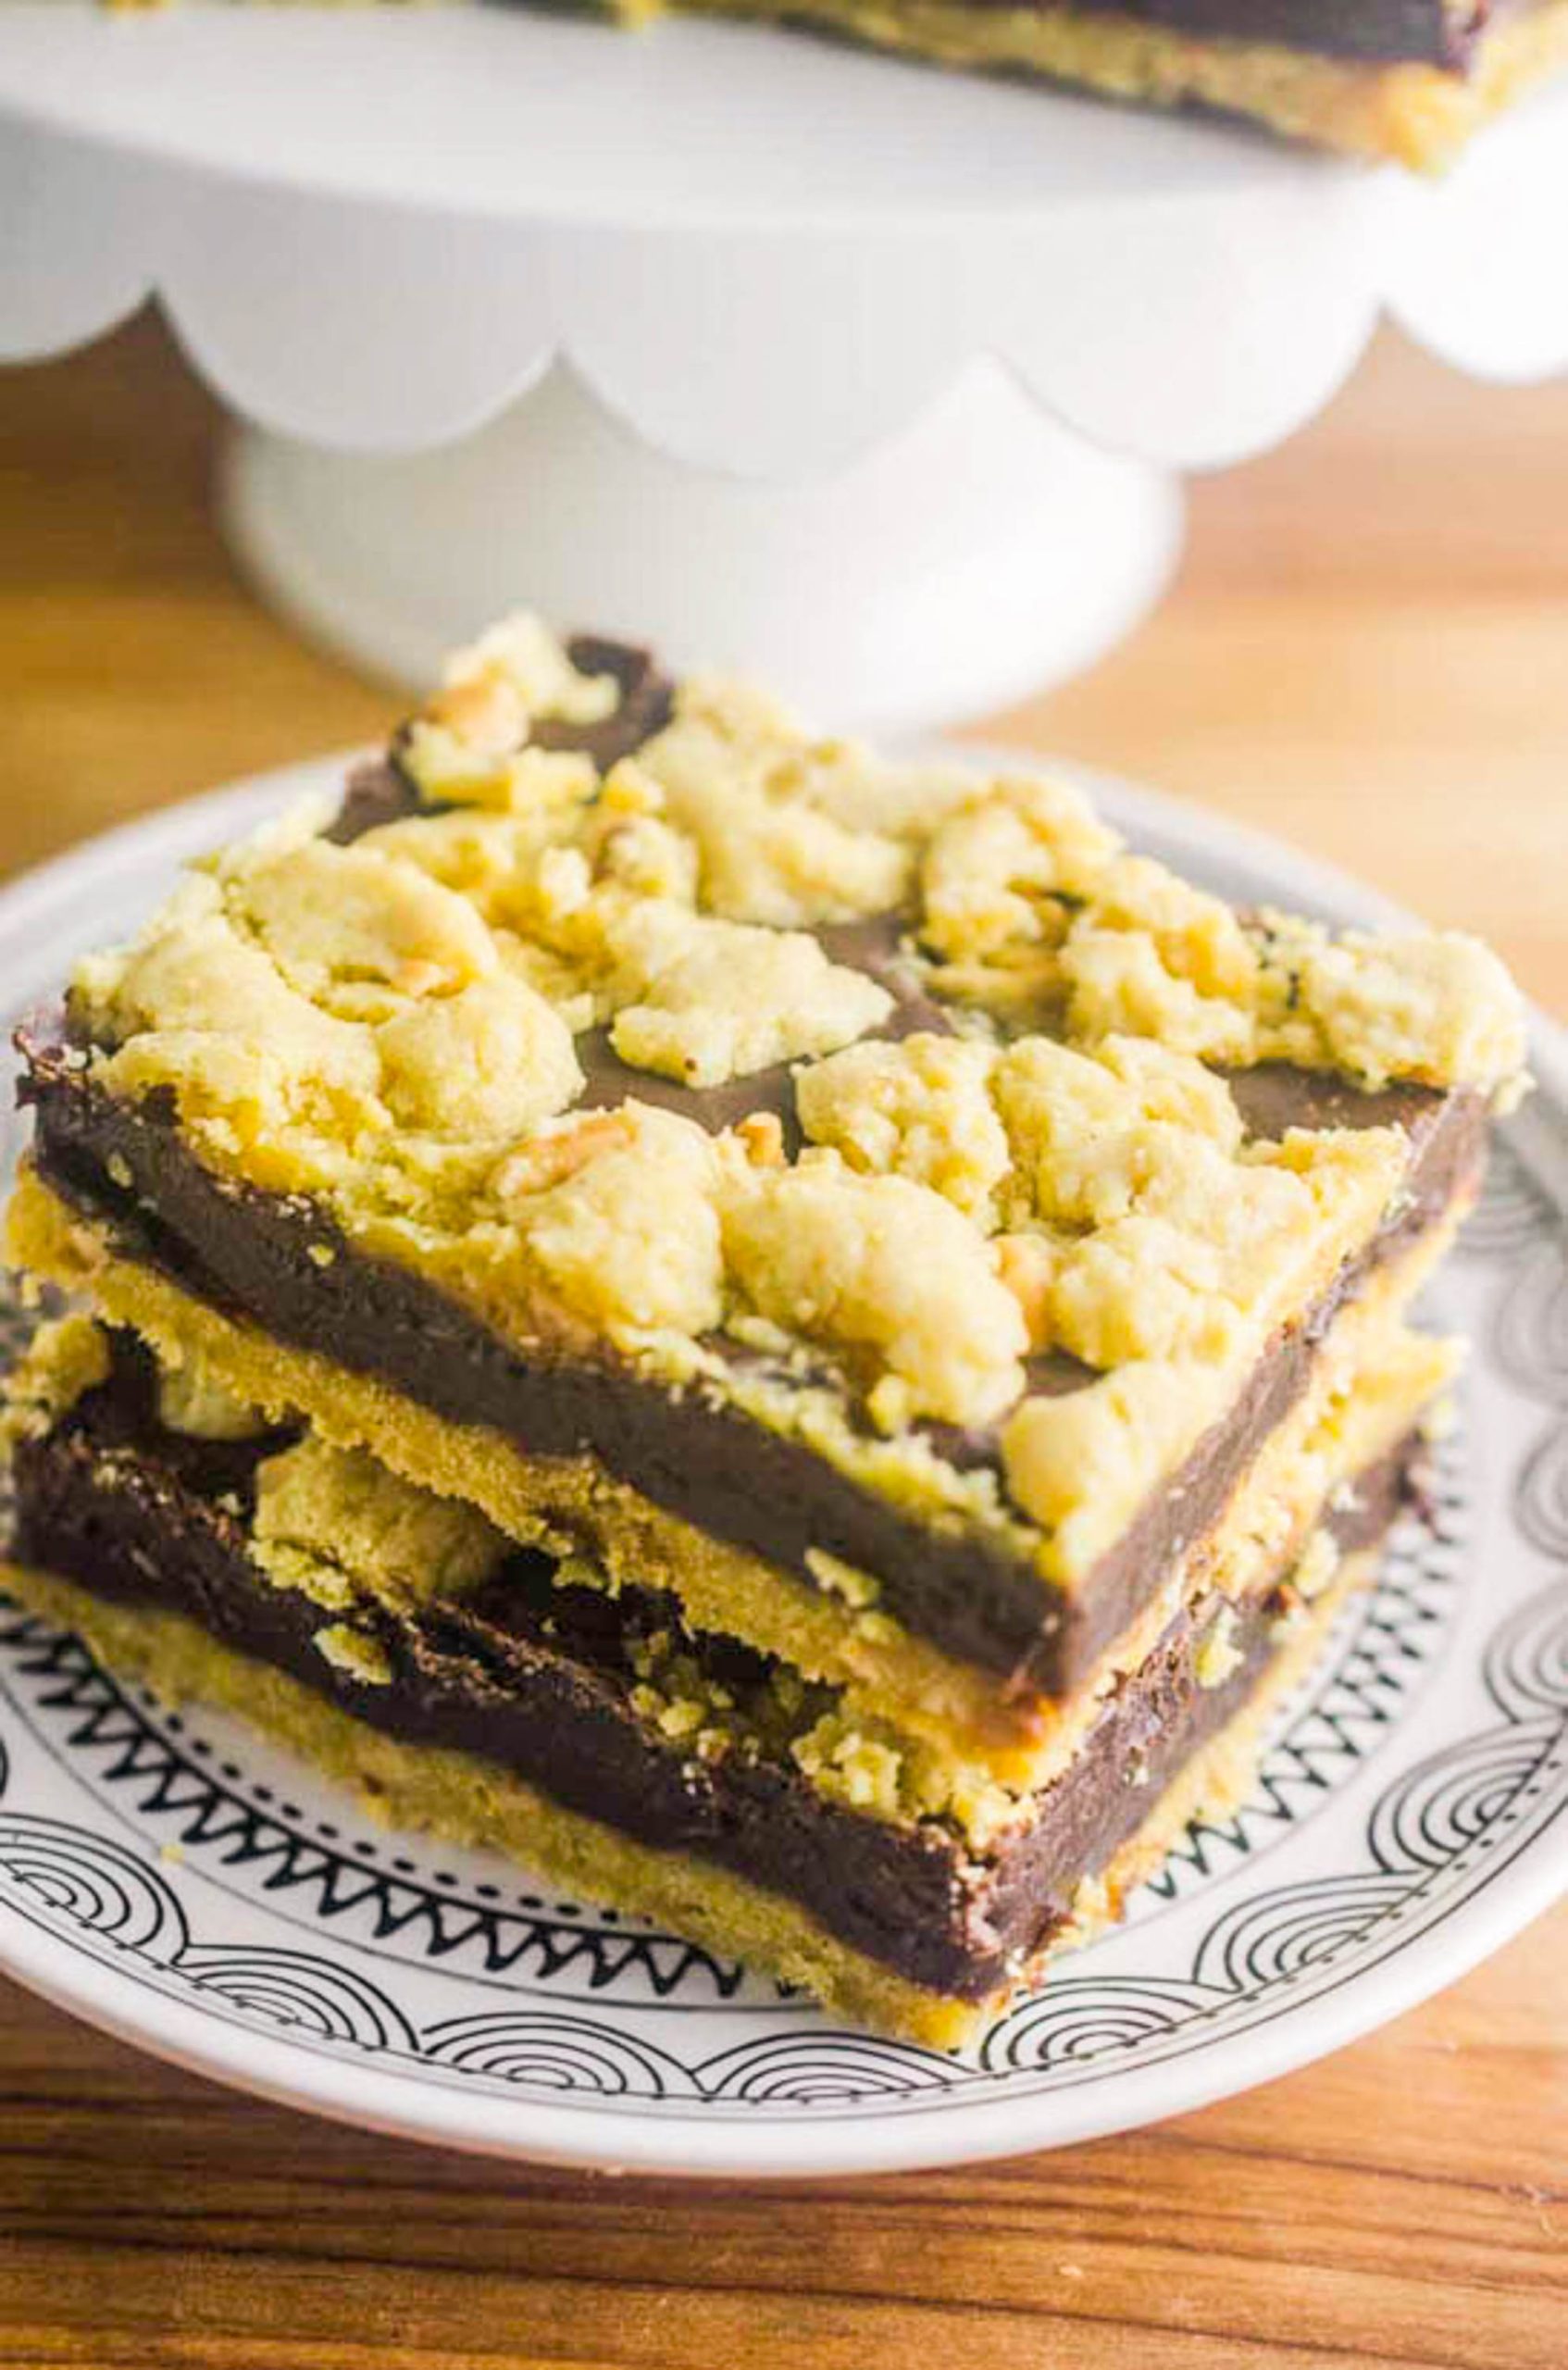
[[1003, 875], [846, 1581], [1319, 1562], [467, 745], [548, 1159], [484, 711], [920, 1108], [754, 795], [332, 918], [491, 1061], [522, 652], [1440, 1007], [707, 1000], [1218, 1656], [64, 1359], [1026, 1265], [850, 1766], [190, 1399], [351, 1650], [1082, 1465], [630, 1240], [877, 1263], [338, 1516], [191, 1005], [761, 1133]]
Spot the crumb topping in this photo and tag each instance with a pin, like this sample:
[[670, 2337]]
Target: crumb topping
[[338, 1525], [630, 1240], [67, 1357], [710, 1001], [191, 1399], [1050, 1162], [1218, 1656], [880, 1265], [354, 1651], [923, 1109]]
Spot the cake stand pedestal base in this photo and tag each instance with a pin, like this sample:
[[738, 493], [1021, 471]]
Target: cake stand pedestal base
[[983, 554]]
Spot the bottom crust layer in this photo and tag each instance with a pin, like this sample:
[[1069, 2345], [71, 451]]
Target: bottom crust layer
[[472, 1802]]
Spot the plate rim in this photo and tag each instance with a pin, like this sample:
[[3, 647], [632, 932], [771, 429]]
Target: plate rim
[[983, 2127]]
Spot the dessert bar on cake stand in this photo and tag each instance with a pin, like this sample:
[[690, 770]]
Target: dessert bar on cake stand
[[876, 380]]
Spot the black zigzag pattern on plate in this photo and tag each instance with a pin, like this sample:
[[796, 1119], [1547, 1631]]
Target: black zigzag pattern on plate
[[203, 1807], [62, 1874], [1426, 1832]]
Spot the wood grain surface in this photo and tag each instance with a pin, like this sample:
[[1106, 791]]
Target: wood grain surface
[[1368, 653]]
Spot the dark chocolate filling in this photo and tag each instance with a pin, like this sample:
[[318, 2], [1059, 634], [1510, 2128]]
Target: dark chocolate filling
[[693, 1453], [144, 1518]]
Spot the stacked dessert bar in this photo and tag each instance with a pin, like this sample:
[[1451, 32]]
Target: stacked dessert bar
[[1411, 79], [803, 1342]]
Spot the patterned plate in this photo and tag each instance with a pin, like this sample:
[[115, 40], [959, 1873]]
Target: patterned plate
[[167, 1876]]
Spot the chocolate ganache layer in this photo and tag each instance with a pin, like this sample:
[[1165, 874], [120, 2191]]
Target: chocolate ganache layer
[[1382, 33], [536, 1677], [283, 1265]]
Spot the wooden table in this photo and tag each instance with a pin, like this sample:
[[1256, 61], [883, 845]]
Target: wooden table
[[1368, 652]]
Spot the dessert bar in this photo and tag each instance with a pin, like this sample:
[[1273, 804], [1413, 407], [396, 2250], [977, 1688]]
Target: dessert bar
[[1409, 80], [862, 1210]]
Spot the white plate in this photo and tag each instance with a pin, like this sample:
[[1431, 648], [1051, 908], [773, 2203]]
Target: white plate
[[169, 1877]]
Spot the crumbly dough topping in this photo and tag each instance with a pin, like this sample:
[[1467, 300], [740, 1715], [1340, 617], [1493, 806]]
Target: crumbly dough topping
[[340, 1526], [401, 1028], [354, 1651], [65, 1357], [876, 1264], [475, 730], [191, 1399], [924, 1109], [711, 1000]]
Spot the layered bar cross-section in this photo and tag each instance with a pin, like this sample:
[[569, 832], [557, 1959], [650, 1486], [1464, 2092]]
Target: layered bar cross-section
[[861, 1211], [1411, 79]]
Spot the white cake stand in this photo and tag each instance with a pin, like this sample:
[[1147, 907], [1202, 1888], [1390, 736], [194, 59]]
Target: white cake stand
[[876, 380]]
